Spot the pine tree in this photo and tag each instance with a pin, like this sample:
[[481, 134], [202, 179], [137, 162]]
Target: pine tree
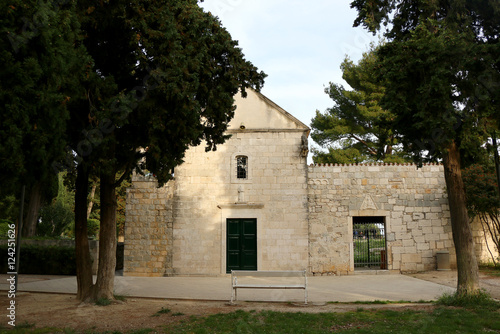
[[356, 129]]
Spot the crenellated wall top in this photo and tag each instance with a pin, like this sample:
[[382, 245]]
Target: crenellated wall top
[[375, 164]]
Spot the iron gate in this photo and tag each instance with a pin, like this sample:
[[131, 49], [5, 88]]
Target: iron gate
[[370, 251]]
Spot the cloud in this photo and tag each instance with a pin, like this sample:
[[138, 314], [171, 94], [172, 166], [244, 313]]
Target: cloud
[[299, 44]]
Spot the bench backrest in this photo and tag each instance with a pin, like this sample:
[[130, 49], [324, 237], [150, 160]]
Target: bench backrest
[[269, 273]]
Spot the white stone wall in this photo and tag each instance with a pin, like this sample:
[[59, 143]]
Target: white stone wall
[[413, 202], [207, 193]]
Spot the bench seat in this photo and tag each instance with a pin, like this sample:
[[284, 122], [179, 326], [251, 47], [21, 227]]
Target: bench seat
[[235, 274]]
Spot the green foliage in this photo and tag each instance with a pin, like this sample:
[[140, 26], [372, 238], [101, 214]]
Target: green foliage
[[401, 17], [121, 201], [337, 155], [177, 314], [93, 227], [43, 260], [58, 216], [421, 81], [41, 61], [478, 301], [4, 228], [481, 189], [161, 311], [9, 208], [103, 302], [440, 69], [119, 297], [356, 128], [54, 219], [167, 76]]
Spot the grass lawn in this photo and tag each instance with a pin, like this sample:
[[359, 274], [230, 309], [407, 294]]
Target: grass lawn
[[441, 320], [473, 317], [490, 269]]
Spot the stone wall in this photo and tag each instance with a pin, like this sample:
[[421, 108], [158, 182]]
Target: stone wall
[[412, 201], [207, 193], [180, 229], [148, 228]]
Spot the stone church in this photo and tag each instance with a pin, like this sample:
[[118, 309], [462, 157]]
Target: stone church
[[254, 204]]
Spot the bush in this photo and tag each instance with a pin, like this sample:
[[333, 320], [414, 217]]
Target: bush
[[93, 227], [481, 299], [4, 228], [54, 219], [43, 260]]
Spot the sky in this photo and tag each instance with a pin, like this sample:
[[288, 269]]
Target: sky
[[298, 44]]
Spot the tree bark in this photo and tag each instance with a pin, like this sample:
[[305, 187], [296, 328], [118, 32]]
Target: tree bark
[[85, 291], [107, 238], [467, 267], [29, 228]]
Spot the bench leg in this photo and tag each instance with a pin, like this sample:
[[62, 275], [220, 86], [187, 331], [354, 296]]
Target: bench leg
[[305, 296], [234, 295]]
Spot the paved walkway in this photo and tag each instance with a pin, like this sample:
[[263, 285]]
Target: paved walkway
[[321, 289]]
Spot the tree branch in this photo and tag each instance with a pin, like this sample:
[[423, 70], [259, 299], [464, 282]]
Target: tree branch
[[371, 150], [123, 177]]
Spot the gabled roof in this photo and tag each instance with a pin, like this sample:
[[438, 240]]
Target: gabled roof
[[258, 113]]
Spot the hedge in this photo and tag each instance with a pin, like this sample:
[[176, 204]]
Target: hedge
[[43, 260]]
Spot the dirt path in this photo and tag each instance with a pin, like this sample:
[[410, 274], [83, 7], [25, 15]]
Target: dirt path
[[64, 311], [449, 278]]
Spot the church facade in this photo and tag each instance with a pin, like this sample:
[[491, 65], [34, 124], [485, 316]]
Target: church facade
[[254, 204]]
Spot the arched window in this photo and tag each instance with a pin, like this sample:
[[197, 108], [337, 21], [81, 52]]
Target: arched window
[[241, 167]]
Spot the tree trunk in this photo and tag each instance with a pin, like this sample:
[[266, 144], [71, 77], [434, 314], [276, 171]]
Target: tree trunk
[[85, 284], [468, 277], [91, 200], [29, 228], [107, 238]]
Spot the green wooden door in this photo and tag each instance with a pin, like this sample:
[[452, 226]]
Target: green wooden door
[[241, 244]]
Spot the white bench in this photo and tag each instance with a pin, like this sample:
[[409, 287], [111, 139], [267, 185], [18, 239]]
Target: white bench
[[252, 284]]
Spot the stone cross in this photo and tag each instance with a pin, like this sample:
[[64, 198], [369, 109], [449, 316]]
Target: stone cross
[[241, 194]]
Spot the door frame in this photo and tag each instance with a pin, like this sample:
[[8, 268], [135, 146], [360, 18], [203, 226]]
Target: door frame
[[241, 236], [240, 211], [388, 233], [381, 263]]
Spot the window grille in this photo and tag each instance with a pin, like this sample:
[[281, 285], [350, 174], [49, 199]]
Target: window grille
[[241, 167]]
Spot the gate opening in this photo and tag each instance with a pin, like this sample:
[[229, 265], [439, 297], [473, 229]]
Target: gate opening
[[370, 248]]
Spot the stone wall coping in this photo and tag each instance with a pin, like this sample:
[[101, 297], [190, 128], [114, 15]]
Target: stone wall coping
[[375, 164], [265, 130]]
